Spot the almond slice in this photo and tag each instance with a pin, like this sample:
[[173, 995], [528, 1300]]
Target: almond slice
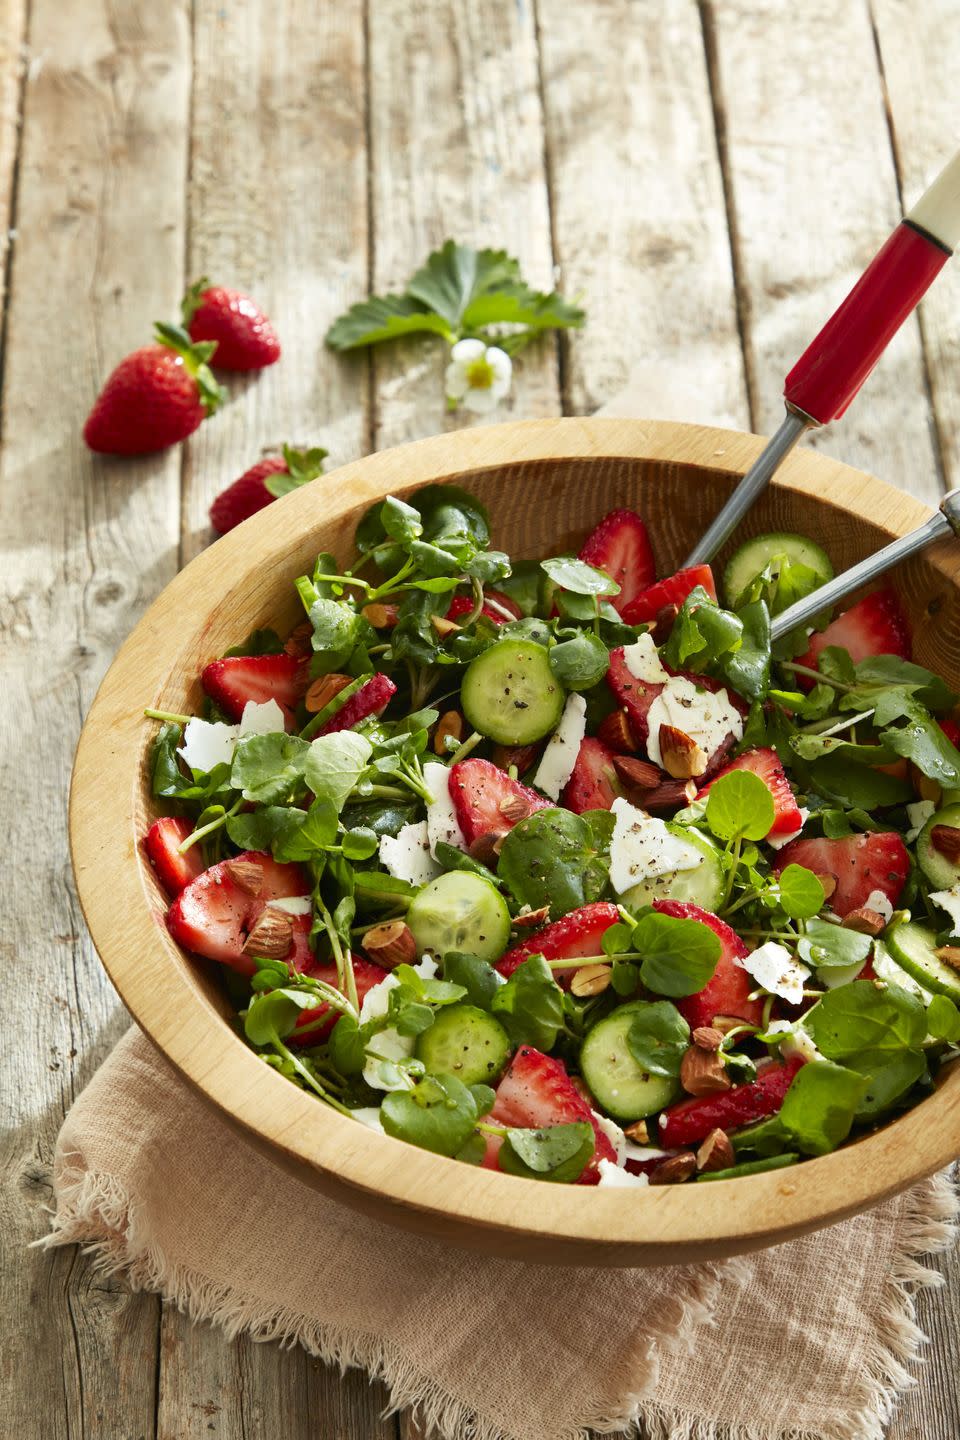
[[865, 921], [950, 955], [945, 839], [381, 617], [641, 774], [682, 757], [716, 1152], [531, 919], [272, 935], [390, 944], [450, 723], [829, 883], [707, 1037], [443, 626], [702, 1072], [323, 690], [675, 1170], [246, 874], [590, 980]]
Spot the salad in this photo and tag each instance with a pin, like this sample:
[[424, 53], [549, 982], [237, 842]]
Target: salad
[[563, 870]]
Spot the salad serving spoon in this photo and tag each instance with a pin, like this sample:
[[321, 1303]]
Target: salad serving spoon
[[832, 369]]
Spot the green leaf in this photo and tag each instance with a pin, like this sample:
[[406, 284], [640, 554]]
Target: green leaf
[[820, 1106], [739, 807], [679, 956], [478, 978], [858, 1019], [701, 631], [579, 577], [347, 1053], [530, 1005], [334, 765], [270, 827], [380, 889], [336, 629], [801, 894], [558, 1152], [425, 988], [658, 1038], [519, 305], [360, 843], [439, 1114], [943, 1019], [455, 275], [887, 670], [553, 858], [888, 1081], [747, 667], [384, 317], [302, 467], [268, 769], [258, 642], [825, 945], [857, 786], [581, 662], [273, 1014], [400, 520], [922, 741]]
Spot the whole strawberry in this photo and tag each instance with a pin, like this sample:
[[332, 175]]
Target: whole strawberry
[[262, 483], [155, 397], [245, 338]]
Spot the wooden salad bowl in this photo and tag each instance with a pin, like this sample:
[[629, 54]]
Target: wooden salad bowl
[[546, 483]]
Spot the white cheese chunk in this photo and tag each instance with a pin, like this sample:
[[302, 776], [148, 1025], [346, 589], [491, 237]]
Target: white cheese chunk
[[563, 747], [642, 848], [796, 1041], [388, 1046], [949, 900], [777, 842], [614, 1177], [442, 823], [876, 900], [369, 1115], [265, 719], [708, 717], [407, 854], [633, 1151], [643, 661], [613, 1133], [292, 904], [776, 970], [918, 814], [206, 744]]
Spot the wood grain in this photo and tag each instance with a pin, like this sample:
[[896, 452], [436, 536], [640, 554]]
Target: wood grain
[[639, 211], [456, 151], [814, 193], [13, 34], [88, 543]]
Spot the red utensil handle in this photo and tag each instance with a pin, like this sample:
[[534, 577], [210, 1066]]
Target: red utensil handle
[[831, 370]]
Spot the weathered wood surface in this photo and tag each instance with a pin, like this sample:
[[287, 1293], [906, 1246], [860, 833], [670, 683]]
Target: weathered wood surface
[[622, 143]]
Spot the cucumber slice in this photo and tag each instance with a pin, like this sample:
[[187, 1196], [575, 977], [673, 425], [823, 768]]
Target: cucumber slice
[[510, 694], [466, 1042], [914, 946], [460, 911], [941, 872], [619, 1084], [755, 555], [703, 885], [886, 968]]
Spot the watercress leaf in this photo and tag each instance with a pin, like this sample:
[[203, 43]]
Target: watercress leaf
[[557, 1152], [384, 317], [766, 1137], [887, 1080], [858, 1019], [347, 1053], [488, 566], [485, 1098], [747, 666], [835, 663], [679, 956], [702, 632], [426, 988], [272, 1014], [546, 858], [477, 978], [658, 1038], [923, 742], [451, 858], [360, 843], [580, 662], [438, 1114], [258, 642], [855, 785], [168, 778], [453, 518], [617, 938], [268, 769], [334, 764], [820, 1106], [624, 978], [336, 629], [741, 1068], [400, 521], [409, 1017], [270, 827], [943, 1019], [813, 747], [530, 1004], [475, 1150], [885, 670], [825, 945], [379, 889], [739, 806], [801, 893], [576, 575]]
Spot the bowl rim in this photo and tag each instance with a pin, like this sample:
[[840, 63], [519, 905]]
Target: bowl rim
[[395, 1180]]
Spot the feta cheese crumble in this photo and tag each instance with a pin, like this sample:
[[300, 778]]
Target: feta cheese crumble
[[797, 1041], [613, 1133], [773, 967], [707, 716], [388, 1045], [613, 1177], [876, 900], [442, 823], [406, 855], [643, 661], [918, 814], [949, 900], [563, 747], [642, 848], [292, 904], [208, 743], [777, 842]]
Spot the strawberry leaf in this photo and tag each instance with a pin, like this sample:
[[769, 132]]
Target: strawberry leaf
[[384, 317], [302, 467], [196, 359], [190, 303]]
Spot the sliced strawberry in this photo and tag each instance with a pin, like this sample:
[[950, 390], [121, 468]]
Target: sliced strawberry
[[691, 1121], [727, 992], [462, 605], [371, 699], [366, 976], [214, 914], [874, 626], [537, 1092], [574, 936], [860, 864], [620, 547], [633, 695], [236, 679], [764, 762], [671, 591], [161, 843], [593, 783], [487, 801]]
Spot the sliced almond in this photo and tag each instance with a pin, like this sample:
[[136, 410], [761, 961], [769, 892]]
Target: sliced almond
[[865, 921], [486, 848], [674, 1170], [246, 874], [640, 774], [272, 935], [716, 1152], [518, 757], [707, 1037], [829, 883], [668, 796], [950, 955], [590, 980], [514, 808], [638, 1132], [381, 617], [450, 725], [682, 757], [323, 690], [443, 626], [531, 919], [945, 839], [297, 642], [617, 732], [725, 1023], [390, 944], [702, 1072]]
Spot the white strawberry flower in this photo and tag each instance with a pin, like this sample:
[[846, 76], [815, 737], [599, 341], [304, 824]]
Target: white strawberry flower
[[478, 376]]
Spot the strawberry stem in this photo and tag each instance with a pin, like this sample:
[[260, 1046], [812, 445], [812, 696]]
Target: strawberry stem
[[191, 301]]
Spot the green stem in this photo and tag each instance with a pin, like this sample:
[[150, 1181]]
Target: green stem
[[737, 846], [308, 1077], [486, 1129], [343, 580], [839, 726], [474, 613], [168, 717], [209, 828], [464, 749], [796, 669]]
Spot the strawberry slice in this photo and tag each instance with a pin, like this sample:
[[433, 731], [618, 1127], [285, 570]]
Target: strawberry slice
[[671, 591], [371, 699], [461, 605], [874, 626], [951, 729], [574, 936], [216, 912], [765, 763], [632, 695], [233, 681], [366, 976], [860, 864], [593, 783], [726, 993], [537, 1092], [487, 801], [690, 1121], [161, 842], [620, 547]]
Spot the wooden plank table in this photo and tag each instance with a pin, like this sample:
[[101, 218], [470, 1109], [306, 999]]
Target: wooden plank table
[[710, 177]]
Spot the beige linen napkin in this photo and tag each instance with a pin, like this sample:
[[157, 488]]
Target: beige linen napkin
[[808, 1341]]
